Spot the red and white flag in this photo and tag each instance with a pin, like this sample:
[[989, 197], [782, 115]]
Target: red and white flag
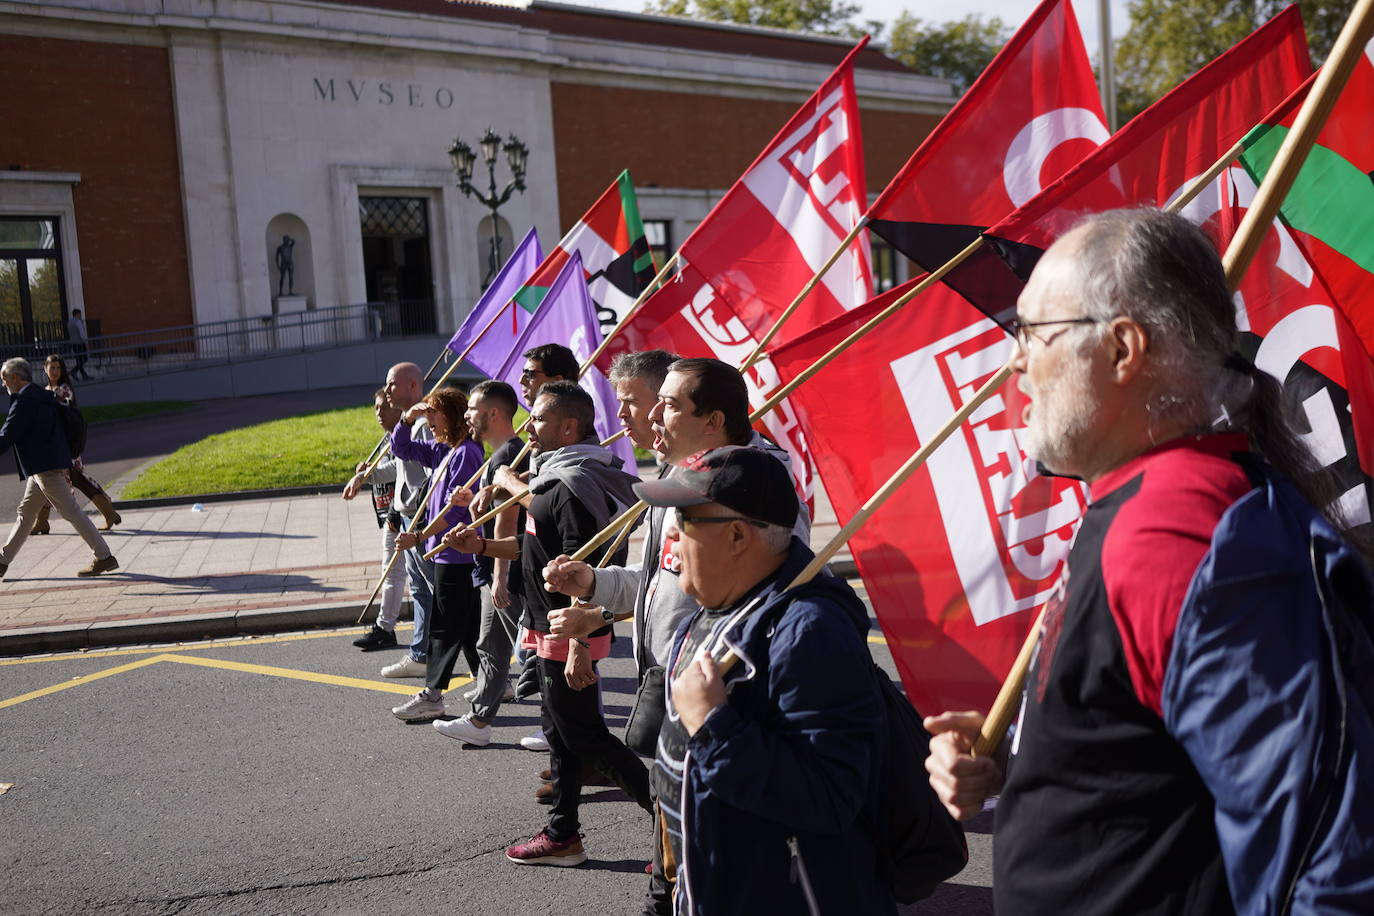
[[1034, 112], [1294, 328], [976, 538], [762, 242], [1152, 160], [973, 538]]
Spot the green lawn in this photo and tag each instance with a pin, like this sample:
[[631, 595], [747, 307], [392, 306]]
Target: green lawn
[[102, 413], [314, 448]]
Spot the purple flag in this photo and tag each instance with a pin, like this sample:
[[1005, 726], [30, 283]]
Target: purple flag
[[568, 316], [491, 350]]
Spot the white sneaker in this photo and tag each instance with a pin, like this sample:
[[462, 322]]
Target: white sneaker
[[535, 742], [470, 695], [406, 667], [419, 707], [465, 730]]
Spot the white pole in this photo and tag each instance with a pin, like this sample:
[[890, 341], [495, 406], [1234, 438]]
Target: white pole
[[1108, 62]]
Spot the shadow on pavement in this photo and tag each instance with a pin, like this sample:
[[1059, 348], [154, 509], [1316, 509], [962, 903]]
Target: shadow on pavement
[[213, 535]]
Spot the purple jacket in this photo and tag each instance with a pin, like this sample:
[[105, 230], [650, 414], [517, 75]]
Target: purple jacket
[[456, 472]]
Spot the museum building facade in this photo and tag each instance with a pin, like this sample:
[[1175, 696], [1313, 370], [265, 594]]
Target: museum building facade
[[156, 153]]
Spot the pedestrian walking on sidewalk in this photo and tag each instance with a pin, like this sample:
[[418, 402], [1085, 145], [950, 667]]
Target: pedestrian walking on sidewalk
[[43, 459], [60, 384]]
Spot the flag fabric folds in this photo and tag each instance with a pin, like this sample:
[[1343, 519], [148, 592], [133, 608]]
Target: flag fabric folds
[[1292, 328], [490, 337], [1330, 208], [976, 536], [757, 248], [615, 255], [568, 316], [1033, 113], [1151, 160]]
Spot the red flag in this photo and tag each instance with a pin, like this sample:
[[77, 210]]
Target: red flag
[[976, 535], [1291, 328], [1033, 113], [1151, 160], [761, 243], [787, 213]]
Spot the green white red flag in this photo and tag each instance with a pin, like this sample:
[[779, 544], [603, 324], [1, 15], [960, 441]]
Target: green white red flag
[[615, 256]]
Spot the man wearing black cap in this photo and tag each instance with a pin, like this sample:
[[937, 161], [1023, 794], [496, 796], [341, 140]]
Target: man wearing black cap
[[762, 770]]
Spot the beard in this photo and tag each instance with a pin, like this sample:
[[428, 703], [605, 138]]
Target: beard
[[1063, 417]]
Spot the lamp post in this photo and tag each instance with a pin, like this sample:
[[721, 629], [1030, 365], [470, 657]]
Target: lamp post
[[464, 159]]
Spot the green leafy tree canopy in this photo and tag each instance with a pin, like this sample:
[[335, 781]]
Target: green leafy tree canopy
[[957, 50], [1169, 40], [824, 17]]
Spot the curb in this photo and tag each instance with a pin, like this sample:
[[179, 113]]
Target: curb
[[221, 625], [232, 496], [183, 628]]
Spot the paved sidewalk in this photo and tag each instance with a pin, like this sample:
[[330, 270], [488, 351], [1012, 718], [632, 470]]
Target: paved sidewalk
[[224, 561], [255, 566]]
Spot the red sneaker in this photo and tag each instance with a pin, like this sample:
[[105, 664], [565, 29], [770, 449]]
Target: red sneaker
[[543, 849]]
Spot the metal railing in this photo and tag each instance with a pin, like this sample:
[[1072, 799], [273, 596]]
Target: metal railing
[[166, 349]]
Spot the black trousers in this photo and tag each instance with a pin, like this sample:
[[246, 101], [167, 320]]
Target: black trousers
[[577, 734], [453, 622]]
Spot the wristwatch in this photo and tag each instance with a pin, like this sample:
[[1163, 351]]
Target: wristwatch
[[607, 615]]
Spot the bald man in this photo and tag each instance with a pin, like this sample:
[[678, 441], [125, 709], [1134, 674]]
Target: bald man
[[404, 388]]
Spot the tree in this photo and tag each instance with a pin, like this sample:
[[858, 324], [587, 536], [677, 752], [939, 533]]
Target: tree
[[1168, 40], [824, 17], [958, 50]]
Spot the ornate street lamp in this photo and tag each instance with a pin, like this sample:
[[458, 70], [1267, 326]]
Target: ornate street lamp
[[464, 160]]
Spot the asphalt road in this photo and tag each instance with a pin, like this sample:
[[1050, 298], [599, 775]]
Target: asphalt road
[[211, 778], [114, 449]]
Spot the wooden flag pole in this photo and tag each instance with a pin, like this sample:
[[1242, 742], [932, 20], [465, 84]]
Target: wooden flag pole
[[1000, 715], [415, 520], [623, 522], [629, 313], [1345, 54], [930, 280], [913, 463], [367, 472], [492, 513], [805, 291], [624, 534]]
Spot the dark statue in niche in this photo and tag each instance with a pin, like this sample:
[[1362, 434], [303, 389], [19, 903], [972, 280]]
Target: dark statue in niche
[[286, 267]]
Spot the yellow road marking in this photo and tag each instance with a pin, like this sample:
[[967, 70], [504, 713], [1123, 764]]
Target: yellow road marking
[[314, 676], [197, 646], [79, 681], [225, 665]]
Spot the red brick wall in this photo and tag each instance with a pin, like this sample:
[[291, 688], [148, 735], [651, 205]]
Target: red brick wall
[[684, 140], [105, 110]]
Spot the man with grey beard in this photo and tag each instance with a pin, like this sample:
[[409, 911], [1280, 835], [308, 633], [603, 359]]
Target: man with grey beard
[[1198, 720]]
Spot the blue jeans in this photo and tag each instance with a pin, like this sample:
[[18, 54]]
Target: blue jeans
[[420, 573]]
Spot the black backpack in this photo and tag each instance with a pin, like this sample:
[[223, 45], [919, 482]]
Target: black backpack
[[919, 844], [73, 427]]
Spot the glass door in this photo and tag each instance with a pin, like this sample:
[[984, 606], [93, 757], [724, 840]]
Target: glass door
[[33, 301]]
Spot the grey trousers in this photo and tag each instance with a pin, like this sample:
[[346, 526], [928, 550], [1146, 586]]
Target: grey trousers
[[51, 487], [494, 642]]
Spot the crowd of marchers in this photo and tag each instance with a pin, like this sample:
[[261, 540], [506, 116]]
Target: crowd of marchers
[[1196, 731]]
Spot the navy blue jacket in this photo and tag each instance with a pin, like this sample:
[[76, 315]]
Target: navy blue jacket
[[1269, 691], [790, 755], [32, 427]]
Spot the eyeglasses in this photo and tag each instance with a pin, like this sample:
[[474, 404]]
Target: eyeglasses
[[1021, 330], [685, 522], [530, 373]]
